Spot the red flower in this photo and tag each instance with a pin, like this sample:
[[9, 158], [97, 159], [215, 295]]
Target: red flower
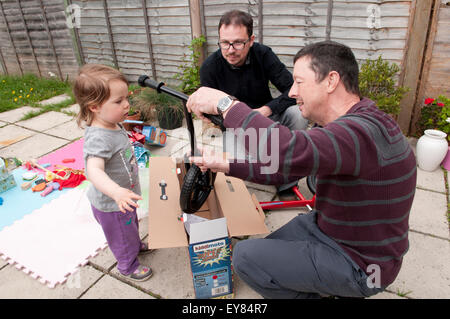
[[440, 104], [429, 101]]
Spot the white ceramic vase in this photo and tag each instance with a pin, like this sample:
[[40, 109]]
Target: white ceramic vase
[[431, 149]]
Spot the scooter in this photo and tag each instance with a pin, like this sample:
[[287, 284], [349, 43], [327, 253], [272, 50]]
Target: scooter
[[197, 185]]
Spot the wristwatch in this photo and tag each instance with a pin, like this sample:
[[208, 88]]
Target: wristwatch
[[225, 103]]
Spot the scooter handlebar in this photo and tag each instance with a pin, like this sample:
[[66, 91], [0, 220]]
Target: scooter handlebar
[[160, 87], [145, 81]]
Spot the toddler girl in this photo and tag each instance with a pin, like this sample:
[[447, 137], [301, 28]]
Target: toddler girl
[[111, 166]]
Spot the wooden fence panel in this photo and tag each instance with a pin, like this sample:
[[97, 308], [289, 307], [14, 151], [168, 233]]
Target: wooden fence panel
[[44, 44]]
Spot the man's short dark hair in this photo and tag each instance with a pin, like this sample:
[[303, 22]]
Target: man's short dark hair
[[237, 17], [327, 56]]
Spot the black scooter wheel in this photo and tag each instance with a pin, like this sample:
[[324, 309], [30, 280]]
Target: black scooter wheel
[[311, 182], [195, 189]]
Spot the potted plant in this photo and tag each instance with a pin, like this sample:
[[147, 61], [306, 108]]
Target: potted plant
[[170, 116], [134, 113], [162, 107], [432, 147]]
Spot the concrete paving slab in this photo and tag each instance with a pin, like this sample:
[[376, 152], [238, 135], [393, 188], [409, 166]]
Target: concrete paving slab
[[386, 295], [428, 213], [173, 145], [3, 123], [11, 134], [55, 100], [74, 108], [431, 180], [18, 285], [45, 121], [16, 114], [425, 272], [110, 288], [33, 147], [242, 290], [172, 276], [69, 131], [2, 263]]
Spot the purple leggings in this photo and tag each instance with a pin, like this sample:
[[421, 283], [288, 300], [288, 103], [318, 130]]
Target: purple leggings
[[122, 234]]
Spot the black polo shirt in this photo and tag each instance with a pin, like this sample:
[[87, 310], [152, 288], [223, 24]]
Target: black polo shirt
[[250, 82]]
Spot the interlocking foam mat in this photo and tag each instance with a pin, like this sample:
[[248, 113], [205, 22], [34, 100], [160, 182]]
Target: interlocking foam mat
[[50, 237]]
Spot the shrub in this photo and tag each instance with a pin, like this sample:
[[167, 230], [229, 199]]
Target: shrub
[[377, 82], [190, 69], [434, 115]]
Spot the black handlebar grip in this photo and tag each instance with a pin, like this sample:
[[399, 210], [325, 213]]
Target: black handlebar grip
[[145, 81], [216, 119]]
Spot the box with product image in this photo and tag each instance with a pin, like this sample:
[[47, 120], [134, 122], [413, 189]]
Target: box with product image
[[229, 211]]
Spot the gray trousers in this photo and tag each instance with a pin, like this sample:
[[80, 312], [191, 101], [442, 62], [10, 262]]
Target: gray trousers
[[291, 118], [299, 261]]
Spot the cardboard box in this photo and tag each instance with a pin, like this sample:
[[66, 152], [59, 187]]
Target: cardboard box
[[229, 211]]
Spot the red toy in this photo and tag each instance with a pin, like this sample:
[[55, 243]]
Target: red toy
[[301, 202]]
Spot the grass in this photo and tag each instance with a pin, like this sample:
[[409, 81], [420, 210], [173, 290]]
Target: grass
[[17, 91]]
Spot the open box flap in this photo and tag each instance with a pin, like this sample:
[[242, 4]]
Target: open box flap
[[165, 228], [243, 216]]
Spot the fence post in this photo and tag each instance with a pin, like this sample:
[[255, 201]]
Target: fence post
[[11, 39], [260, 21], [149, 39], [426, 67], [329, 18], [196, 25], [111, 40], [79, 54], [413, 62], [28, 37], [50, 39]]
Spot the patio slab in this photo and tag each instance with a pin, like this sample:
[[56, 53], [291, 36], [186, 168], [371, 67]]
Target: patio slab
[[17, 284], [110, 288], [33, 147], [425, 271], [69, 131], [428, 213], [11, 134], [16, 114], [55, 100], [45, 121]]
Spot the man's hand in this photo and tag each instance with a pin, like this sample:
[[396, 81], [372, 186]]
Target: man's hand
[[125, 198], [211, 160], [204, 100], [264, 110]]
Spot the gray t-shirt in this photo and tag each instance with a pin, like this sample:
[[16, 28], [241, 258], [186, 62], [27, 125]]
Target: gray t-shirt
[[120, 163]]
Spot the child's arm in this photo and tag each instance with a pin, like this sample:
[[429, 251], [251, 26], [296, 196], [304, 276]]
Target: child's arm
[[122, 196]]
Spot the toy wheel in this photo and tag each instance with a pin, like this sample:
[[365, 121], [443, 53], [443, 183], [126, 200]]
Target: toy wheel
[[311, 182], [195, 189]]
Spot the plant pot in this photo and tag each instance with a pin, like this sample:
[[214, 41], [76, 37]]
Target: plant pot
[[431, 149], [135, 117], [170, 120]]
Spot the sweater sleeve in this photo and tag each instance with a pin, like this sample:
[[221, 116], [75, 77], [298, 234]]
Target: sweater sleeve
[[279, 155]]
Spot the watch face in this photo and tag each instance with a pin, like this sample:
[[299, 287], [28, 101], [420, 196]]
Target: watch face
[[224, 103]]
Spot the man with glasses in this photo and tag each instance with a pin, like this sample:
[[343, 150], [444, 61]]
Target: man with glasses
[[243, 69]]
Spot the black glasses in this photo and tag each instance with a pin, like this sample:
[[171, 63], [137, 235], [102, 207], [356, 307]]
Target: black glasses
[[237, 45]]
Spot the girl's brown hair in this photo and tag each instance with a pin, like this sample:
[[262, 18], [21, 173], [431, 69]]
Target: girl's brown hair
[[91, 88]]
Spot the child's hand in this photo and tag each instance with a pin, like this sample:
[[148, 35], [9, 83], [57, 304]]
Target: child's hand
[[125, 198]]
